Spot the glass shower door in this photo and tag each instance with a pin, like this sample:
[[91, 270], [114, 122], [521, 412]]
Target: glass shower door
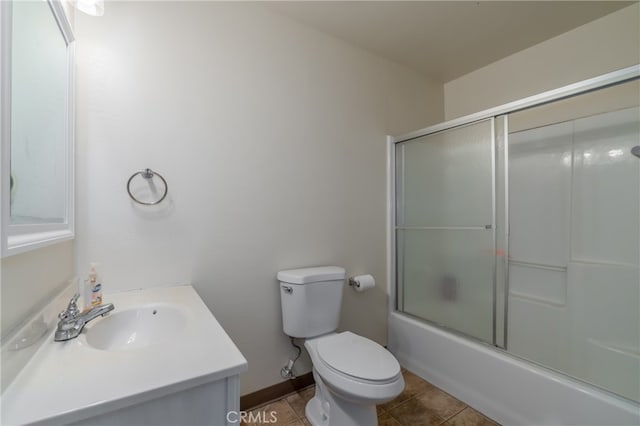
[[574, 243], [445, 229]]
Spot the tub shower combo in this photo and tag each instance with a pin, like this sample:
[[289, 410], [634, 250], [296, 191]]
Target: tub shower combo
[[515, 253]]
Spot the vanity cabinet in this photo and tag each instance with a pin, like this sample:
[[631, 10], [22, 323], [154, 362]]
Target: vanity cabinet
[[216, 403], [177, 366]]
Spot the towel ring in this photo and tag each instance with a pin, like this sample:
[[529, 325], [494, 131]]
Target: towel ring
[[147, 174]]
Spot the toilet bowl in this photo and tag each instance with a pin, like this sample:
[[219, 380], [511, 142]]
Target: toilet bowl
[[352, 373]]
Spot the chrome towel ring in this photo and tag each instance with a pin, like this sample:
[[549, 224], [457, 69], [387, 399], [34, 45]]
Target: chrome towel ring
[[148, 174]]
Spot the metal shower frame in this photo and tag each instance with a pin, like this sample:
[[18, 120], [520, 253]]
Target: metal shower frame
[[582, 87]]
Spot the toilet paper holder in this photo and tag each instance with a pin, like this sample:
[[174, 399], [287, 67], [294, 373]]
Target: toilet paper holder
[[362, 282]]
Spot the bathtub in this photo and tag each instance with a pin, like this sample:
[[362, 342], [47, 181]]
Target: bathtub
[[505, 388]]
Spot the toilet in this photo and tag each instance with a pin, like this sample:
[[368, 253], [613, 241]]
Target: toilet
[[352, 373]]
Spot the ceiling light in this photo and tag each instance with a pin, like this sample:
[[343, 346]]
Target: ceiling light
[[90, 7]]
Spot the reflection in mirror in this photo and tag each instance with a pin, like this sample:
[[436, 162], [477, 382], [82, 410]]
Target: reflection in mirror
[[39, 81]]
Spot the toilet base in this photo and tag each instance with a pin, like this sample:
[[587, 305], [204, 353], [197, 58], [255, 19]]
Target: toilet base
[[325, 409]]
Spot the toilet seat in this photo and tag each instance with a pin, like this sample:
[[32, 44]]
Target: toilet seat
[[371, 389], [358, 357]]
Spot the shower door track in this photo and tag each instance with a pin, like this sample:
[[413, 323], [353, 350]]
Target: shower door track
[[448, 228], [596, 83]]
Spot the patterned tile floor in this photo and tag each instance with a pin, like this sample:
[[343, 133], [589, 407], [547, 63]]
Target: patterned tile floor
[[419, 404]]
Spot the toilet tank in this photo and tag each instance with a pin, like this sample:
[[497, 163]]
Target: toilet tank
[[311, 300]]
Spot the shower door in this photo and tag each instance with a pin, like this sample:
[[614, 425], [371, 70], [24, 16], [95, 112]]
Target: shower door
[[445, 229], [574, 245], [523, 230]]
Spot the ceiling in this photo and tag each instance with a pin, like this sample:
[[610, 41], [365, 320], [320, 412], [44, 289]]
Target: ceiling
[[445, 39]]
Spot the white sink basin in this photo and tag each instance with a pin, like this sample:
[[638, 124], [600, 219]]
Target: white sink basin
[[157, 342], [136, 328]]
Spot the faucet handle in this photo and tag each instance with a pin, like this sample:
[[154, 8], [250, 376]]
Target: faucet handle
[[72, 310]]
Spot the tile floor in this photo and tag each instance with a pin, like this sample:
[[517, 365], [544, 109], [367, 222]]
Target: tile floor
[[419, 404]]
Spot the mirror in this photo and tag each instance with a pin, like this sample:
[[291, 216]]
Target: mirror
[[38, 88], [37, 125]]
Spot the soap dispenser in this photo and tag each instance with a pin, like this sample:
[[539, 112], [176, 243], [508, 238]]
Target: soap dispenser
[[94, 286]]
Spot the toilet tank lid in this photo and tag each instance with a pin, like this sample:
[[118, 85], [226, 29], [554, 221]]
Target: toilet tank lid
[[311, 275]]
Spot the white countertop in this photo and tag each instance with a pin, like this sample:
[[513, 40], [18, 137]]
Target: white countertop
[[70, 381]]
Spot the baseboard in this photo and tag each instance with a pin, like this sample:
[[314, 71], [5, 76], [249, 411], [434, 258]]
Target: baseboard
[[275, 392]]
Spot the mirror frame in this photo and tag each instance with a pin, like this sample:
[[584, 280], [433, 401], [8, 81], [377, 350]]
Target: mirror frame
[[21, 238]]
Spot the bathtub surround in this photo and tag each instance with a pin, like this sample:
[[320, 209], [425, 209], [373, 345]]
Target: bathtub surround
[[506, 388], [271, 136], [602, 331], [588, 305], [510, 391]]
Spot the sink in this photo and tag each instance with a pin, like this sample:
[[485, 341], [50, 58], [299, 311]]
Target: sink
[[136, 328], [161, 345]]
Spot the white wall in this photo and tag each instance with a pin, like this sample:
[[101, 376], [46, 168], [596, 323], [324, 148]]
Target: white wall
[[29, 280], [271, 136], [606, 44]]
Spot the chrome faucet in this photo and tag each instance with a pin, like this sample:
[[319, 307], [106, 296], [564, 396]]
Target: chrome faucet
[[72, 321]]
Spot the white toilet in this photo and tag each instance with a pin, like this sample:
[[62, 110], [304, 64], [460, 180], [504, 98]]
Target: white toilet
[[352, 373]]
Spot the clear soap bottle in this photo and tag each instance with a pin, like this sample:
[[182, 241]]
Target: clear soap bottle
[[94, 286]]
